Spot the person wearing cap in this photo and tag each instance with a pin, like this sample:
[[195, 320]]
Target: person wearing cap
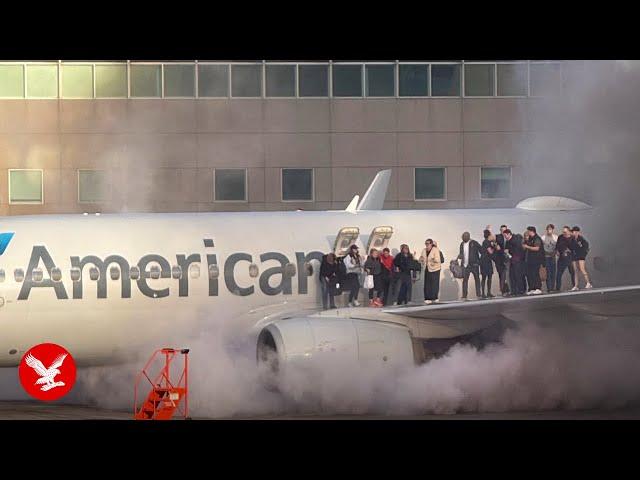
[[580, 252], [353, 264]]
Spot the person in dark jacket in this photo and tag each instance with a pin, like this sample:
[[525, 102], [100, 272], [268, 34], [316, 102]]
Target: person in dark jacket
[[386, 276], [517, 262], [501, 261], [470, 259], [564, 247], [580, 251], [404, 266], [373, 267], [328, 280], [486, 263], [534, 259]]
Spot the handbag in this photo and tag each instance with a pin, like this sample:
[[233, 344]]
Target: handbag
[[456, 269], [368, 281]]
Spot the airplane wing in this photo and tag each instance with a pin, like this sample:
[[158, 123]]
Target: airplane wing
[[606, 302]]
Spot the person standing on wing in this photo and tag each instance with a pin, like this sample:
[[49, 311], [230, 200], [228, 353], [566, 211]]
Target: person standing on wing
[[432, 258], [580, 251], [470, 258], [353, 263]]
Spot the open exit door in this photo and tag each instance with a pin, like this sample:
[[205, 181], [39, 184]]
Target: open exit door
[[379, 238], [347, 236]]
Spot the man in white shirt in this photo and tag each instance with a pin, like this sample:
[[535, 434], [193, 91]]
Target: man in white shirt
[[549, 241]]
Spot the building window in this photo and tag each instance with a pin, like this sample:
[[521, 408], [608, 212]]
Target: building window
[[413, 80], [512, 80], [546, 79], [230, 185], [281, 80], [25, 186], [42, 81], [347, 80], [11, 81], [445, 80], [179, 81], [313, 80], [429, 183], [246, 80], [380, 80], [146, 81], [297, 184], [77, 81], [213, 80], [92, 186], [111, 81], [479, 80], [495, 182]]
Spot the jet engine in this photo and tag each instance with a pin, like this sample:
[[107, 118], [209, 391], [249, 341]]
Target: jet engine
[[306, 340]]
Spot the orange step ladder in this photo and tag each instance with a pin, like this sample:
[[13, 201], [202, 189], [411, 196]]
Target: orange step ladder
[[165, 398]]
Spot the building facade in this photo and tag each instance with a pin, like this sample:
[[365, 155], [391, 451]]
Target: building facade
[[232, 136]]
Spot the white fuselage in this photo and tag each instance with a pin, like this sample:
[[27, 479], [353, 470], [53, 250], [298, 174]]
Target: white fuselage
[[96, 329]]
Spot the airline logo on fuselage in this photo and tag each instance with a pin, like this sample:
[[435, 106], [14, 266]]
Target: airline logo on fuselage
[[154, 266], [5, 238]]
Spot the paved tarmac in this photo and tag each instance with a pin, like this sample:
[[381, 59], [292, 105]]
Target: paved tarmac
[[19, 410]]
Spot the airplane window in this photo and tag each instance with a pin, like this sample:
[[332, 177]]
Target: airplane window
[[154, 272], [214, 271], [253, 270], [75, 274], [114, 272], [36, 275], [56, 274], [2, 275], [194, 270], [18, 274], [134, 272], [94, 273], [290, 269], [176, 271]]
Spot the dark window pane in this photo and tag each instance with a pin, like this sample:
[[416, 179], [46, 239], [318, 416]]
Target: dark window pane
[[381, 80], [281, 80], [347, 80], [495, 182], [512, 79], [546, 79], [230, 184], [213, 80], [297, 184], [429, 183], [479, 80], [25, 186], [179, 81], [246, 80], [91, 186], [445, 80], [313, 81], [414, 80]]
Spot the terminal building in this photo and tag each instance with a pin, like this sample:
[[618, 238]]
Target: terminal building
[[232, 136]]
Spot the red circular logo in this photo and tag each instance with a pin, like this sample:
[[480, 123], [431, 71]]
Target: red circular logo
[[47, 372]]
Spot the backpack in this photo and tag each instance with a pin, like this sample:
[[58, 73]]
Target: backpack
[[456, 269]]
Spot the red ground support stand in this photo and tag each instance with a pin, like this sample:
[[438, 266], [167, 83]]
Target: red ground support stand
[[165, 397]]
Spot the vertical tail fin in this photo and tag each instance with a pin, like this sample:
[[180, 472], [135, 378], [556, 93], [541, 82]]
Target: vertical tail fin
[[373, 199]]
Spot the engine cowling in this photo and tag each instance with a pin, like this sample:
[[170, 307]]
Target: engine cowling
[[305, 339]]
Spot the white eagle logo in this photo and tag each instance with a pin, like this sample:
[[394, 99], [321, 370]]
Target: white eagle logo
[[46, 374]]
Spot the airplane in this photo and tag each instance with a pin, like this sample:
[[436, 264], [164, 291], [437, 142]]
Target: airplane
[[104, 286]]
